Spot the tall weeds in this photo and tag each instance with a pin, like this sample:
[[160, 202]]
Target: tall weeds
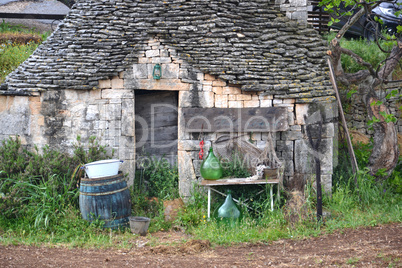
[[39, 185], [157, 178], [45, 201]]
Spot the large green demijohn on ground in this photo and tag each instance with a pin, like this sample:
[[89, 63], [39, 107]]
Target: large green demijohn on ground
[[228, 213], [211, 168], [229, 209]]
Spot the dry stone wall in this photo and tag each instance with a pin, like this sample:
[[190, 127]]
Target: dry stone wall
[[356, 111]]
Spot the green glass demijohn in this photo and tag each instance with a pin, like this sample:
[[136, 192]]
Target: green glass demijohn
[[229, 210], [211, 168]]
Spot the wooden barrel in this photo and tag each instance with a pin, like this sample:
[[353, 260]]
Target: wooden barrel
[[106, 199]]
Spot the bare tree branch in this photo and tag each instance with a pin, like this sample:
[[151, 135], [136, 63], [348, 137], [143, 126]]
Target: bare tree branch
[[359, 60], [391, 62], [356, 77], [350, 22]]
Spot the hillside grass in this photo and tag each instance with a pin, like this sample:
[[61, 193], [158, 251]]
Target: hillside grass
[[17, 43]]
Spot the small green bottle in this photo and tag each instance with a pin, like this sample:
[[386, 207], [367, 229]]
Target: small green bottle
[[211, 168]]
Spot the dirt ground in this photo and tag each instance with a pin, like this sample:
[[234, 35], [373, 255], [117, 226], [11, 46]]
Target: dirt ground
[[379, 246]]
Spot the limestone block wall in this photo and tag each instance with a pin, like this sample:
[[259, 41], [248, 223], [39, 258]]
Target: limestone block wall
[[21, 116], [56, 118], [294, 9]]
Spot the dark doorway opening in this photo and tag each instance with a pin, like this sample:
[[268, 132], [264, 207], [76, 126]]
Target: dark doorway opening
[[156, 125]]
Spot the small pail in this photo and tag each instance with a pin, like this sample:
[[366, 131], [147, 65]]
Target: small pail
[[139, 225]]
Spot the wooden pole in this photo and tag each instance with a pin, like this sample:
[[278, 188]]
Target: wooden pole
[[353, 161]]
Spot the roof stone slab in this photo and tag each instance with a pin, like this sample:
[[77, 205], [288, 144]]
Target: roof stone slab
[[248, 43]]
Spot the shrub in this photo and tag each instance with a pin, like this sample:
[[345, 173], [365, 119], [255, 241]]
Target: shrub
[[158, 178], [48, 163], [13, 159], [17, 161], [93, 152]]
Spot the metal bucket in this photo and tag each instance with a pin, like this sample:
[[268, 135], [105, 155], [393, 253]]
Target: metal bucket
[[106, 199], [139, 225]]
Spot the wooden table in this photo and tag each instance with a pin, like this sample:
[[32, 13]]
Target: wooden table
[[222, 182]]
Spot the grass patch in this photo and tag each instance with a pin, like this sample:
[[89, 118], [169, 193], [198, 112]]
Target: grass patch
[[12, 55], [352, 261]]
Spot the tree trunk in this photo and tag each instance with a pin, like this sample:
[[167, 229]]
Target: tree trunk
[[385, 151], [385, 140]]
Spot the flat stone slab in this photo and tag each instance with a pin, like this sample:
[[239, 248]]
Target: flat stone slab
[[270, 119]]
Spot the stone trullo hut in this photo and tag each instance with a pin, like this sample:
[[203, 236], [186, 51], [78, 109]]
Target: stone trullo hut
[[95, 76]]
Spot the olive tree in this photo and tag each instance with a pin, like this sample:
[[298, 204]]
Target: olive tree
[[385, 152]]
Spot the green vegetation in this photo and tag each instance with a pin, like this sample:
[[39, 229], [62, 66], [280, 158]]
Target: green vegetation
[[12, 55], [41, 186], [17, 43], [6, 27], [157, 178], [349, 207]]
